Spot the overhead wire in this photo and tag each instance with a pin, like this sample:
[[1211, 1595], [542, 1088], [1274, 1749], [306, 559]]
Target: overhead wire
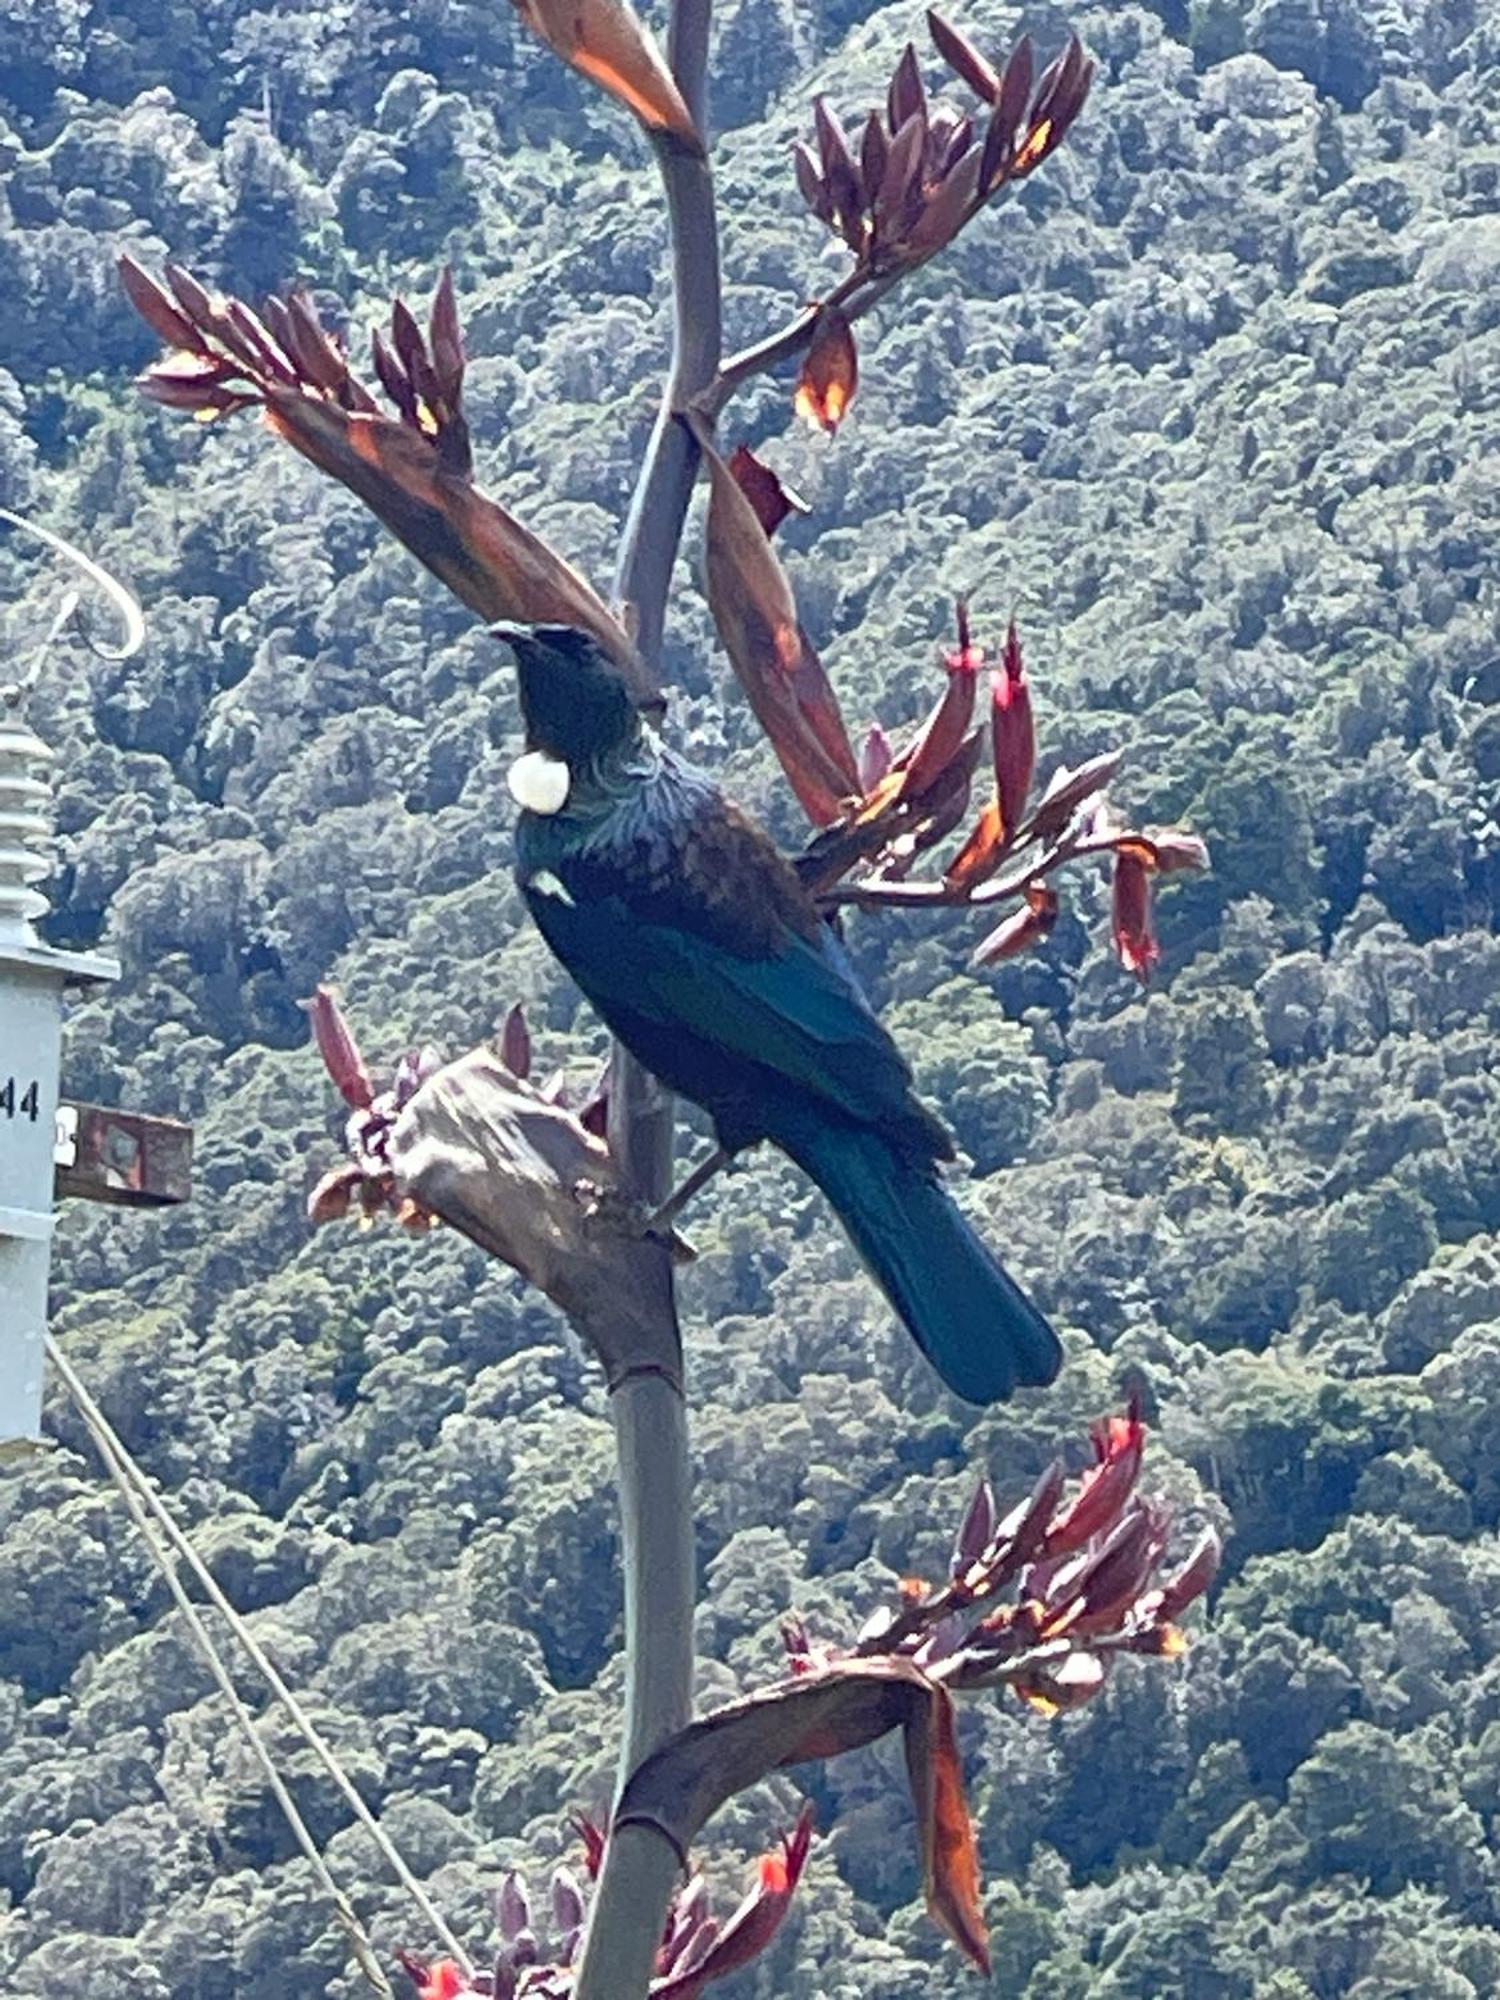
[[143, 1501]]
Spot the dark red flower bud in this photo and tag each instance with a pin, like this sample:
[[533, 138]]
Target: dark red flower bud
[[1024, 1529], [875, 758], [515, 1042], [840, 174], [339, 1050], [962, 57], [1117, 1575], [907, 97], [975, 1530]]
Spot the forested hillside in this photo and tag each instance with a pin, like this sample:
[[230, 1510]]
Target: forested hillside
[[1214, 405]]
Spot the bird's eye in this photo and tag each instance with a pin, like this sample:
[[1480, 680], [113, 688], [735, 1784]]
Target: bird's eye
[[539, 783]]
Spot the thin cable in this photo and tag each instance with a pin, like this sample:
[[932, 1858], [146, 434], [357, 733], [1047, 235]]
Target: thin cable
[[116, 1451], [126, 1476]]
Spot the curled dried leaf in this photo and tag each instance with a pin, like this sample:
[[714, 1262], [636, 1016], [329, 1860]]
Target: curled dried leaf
[[842, 1706], [606, 41], [756, 615], [771, 499]]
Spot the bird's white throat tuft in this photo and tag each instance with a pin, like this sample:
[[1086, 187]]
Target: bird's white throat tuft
[[540, 783]]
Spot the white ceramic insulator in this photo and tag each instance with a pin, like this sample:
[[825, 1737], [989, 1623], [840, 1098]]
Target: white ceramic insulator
[[25, 827]]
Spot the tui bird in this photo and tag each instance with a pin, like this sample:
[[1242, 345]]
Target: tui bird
[[698, 945]]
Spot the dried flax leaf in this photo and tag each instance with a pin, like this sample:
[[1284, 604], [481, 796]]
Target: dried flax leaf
[[487, 558], [756, 616]]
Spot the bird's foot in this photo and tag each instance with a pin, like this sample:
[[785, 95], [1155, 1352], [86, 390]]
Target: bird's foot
[[624, 1215], [661, 1222]]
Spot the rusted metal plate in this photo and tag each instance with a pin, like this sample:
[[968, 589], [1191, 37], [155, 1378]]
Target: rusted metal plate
[[122, 1156]]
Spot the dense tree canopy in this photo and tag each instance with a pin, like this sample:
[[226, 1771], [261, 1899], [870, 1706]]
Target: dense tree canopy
[[1212, 405]]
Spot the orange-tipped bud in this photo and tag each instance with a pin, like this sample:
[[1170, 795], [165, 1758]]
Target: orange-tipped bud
[[830, 374], [1130, 924], [1022, 929]]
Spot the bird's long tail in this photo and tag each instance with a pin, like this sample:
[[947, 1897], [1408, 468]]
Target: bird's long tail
[[972, 1321]]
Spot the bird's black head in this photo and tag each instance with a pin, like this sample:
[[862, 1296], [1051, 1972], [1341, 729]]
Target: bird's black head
[[575, 702]]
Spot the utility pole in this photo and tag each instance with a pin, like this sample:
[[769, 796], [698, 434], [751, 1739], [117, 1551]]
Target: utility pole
[[49, 1147], [33, 979]]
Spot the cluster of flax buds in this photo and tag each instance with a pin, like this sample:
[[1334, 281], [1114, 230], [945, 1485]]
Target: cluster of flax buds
[[910, 181], [1044, 1599], [224, 357], [915, 799], [364, 1184], [697, 1948]]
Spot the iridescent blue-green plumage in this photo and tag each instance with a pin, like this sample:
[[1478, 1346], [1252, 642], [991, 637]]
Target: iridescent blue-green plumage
[[697, 944]]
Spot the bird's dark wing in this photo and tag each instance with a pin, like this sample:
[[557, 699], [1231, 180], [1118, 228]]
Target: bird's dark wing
[[717, 946]]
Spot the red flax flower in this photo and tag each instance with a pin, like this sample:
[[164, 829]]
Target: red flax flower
[[1119, 1446], [745, 1934], [944, 732], [1014, 734], [440, 1980]]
